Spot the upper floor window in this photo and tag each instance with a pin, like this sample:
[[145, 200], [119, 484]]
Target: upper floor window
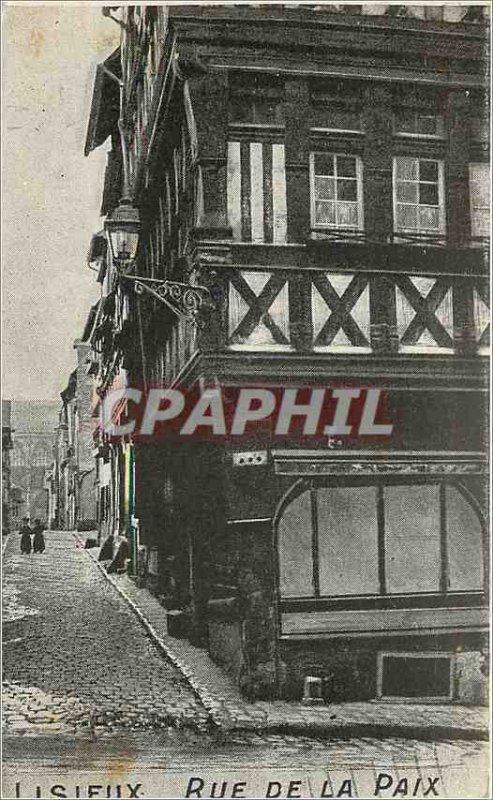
[[479, 117], [256, 100], [416, 123], [479, 193], [419, 206], [336, 191], [419, 111], [336, 106], [480, 129]]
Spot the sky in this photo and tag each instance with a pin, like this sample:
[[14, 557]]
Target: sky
[[51, 191]]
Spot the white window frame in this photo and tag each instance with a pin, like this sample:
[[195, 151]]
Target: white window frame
[[473, 209], [359, 193], [441, 230]]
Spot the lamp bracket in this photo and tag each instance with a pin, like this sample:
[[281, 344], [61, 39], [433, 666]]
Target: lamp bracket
[[182, 299]]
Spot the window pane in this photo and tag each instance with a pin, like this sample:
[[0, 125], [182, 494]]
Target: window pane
[[428, 170], [325, 213], [295, 548], [412, 538], [346, 166], [480, 185], [407, 192], [464, 542], [346, 190], [347, 214], [325, 188], [407, 217], [343, 119], [240, 110], [405, 122], [267, 112], [479, 191], [429, 125], [480, 129], [481, 223], [324, 164], [429, 219], [428, 194], [348, 549], [407, 168]]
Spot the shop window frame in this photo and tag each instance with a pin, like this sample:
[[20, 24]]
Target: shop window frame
[[440, 598]]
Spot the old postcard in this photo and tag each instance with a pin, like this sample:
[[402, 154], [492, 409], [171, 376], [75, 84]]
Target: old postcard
[[244, 415]]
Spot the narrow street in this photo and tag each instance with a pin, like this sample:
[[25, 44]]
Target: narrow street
[[84, 687], [75, 657]]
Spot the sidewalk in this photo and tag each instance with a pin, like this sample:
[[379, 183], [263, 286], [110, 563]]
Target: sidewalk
[[230, 711]]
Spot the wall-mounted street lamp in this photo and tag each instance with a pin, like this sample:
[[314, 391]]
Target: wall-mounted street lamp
[[123, 230]]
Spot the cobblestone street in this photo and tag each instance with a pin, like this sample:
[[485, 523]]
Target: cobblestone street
[[74, 654]]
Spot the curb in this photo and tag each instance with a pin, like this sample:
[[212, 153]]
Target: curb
[[221, 719], [356, 730], [213, 707]]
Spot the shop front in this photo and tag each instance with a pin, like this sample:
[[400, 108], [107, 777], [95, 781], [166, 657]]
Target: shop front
[[382, 574], [366, 570]]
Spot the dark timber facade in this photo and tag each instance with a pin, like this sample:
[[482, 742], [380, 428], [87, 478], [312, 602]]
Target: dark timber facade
[[325, 175]]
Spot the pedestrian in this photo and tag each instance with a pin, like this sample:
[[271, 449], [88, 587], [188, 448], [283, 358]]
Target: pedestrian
[[25, 534], [39, 539]]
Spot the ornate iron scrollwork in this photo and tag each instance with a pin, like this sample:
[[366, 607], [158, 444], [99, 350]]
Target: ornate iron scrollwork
[[183, 299]]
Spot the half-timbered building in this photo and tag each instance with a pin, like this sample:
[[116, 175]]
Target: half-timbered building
[[323, 172]]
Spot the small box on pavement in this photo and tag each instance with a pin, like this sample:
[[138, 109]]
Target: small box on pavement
[[312, 691]]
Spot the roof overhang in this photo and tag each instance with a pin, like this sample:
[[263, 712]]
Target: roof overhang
[[105, 106]]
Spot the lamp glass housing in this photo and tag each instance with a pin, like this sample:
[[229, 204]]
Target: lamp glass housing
[[123, 229]]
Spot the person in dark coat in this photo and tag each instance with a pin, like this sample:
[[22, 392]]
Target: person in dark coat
[[39, 539], [120, 561], [25, 534], [108, 549]]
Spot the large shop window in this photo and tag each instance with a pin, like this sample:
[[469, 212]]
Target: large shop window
[[336, 191], [480, 194], [419, 206], [380, 540]]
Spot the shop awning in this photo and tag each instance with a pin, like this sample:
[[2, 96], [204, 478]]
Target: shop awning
[[105, 106]]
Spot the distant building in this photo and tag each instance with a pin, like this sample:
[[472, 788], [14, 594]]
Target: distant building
[[6, 465], [33, 424], [71, 482]]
